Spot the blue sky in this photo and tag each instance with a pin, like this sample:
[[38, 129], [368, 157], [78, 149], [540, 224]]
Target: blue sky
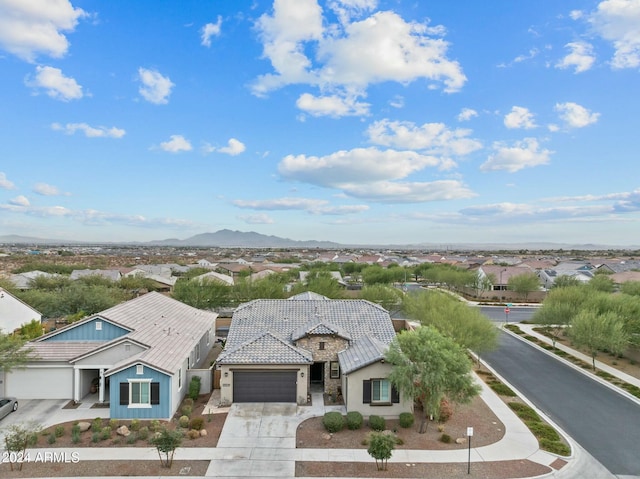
[[356, 121]]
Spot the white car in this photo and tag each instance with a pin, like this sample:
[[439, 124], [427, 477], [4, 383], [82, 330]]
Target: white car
[[7, 405]]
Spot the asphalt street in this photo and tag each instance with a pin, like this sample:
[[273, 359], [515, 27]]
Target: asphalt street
[[602, 421]]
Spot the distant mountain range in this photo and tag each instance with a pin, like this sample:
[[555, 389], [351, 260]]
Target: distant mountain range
[[242, 239]]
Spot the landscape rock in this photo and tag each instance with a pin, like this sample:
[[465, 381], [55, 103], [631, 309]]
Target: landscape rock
[[203, 432], [123, 431], [326, 436], [461, 440], [84, 426]]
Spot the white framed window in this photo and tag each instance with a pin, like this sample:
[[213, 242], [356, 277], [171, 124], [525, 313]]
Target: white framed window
[[380, 391], [139, 369], [334, 371], [139, 393], [98, 325]]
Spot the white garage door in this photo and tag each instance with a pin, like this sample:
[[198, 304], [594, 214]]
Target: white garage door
[[40, 383]]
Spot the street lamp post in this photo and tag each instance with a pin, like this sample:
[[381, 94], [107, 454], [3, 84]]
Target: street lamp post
[[469, 435]]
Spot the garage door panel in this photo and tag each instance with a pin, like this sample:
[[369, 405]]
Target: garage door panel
[[40, 383], [264, 386]]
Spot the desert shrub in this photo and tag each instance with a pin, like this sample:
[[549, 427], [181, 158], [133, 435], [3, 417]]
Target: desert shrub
[[445, 438], [555, 447], [446, 411], [95, 437], [183, 421], [105, 433], [135, 425], [441, 428], [132, 438], [51, 439], [59, 431], [543, 431], [96, 425], [193, 434], [75, 436], [186, 410], [143, 433], [187, 402], [333, 421], [524, 412], [194, 387], [377, 423], [354, 420], [502, 389], [75, 429], [406, 419], [113, 424], [196, 423], [154, 425]]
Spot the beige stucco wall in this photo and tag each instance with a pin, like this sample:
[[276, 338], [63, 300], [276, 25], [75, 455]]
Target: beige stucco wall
[[352, 390], [332, 346], [226, 379]]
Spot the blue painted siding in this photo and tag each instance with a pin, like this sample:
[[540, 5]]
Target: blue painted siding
[[156, 411], [88, 332]]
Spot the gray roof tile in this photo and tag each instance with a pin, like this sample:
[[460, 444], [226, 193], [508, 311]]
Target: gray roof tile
[[265, 348], [361, 353]]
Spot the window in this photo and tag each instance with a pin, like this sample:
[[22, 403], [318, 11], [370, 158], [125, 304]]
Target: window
[[137, 393], [334, 372], [197, 352], [139, 369], [321, 345], [380, 391], [98, 325]]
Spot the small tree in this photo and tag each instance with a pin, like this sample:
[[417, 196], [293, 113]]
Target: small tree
[[166, 442], [13, 353], [523, 284], [597, 332], [17, 438], [381, 446]]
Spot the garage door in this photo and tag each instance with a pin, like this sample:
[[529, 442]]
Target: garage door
[[264, 386], [40, 383]]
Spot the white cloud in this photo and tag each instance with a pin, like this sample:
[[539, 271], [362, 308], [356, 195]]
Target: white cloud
[[176, 144], [466, 114], [409, 192], [432, 138], [331, 105], [211, 30], [56, 85], [618, 21], [45, 189], [349, 55], [530, 55], [233, 148], [20, 201], [29, 28], [575, 116], [259, 219], [397, 101], [89, 131], [5, 184], [312, 206], [155, 88], [519, 117], [576, 14], [580, 57], [523, 154], [360, 165]]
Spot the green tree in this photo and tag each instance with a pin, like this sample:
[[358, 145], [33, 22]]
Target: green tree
[[166, 442], [31, 330], [381, 446], [428, 367], [13, 353], [466, 326], [202, 293], [321, 282], [631, 288], [523, 284], [386, 296], [17, 438], [601, 282], [566, 281], [554, 319], [599, 332]]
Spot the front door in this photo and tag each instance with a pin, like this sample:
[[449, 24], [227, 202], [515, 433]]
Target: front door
[[317, 373]]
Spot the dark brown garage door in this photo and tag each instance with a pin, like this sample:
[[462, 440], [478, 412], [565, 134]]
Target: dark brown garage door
[[264, 386]]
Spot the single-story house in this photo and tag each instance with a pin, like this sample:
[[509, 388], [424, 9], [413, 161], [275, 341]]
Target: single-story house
[[135, 356], [14, 312], [280, 350]]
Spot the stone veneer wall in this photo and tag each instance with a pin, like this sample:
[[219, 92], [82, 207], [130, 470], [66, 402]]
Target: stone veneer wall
[[332, 346]]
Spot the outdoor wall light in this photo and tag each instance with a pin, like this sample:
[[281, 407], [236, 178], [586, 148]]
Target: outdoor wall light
[[226, 374], [301, 374]]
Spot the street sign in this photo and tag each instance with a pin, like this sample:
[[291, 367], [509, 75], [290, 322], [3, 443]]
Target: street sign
[[507, 310]]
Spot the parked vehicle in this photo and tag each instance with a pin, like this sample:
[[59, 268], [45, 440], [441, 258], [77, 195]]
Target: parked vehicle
[[7, 405]]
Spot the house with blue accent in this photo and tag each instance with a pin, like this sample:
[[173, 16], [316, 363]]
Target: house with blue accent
[[135, 356]]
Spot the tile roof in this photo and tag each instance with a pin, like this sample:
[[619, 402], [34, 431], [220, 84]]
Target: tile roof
[[286, 320], [266, 348], [361, 353], [61, 350]]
